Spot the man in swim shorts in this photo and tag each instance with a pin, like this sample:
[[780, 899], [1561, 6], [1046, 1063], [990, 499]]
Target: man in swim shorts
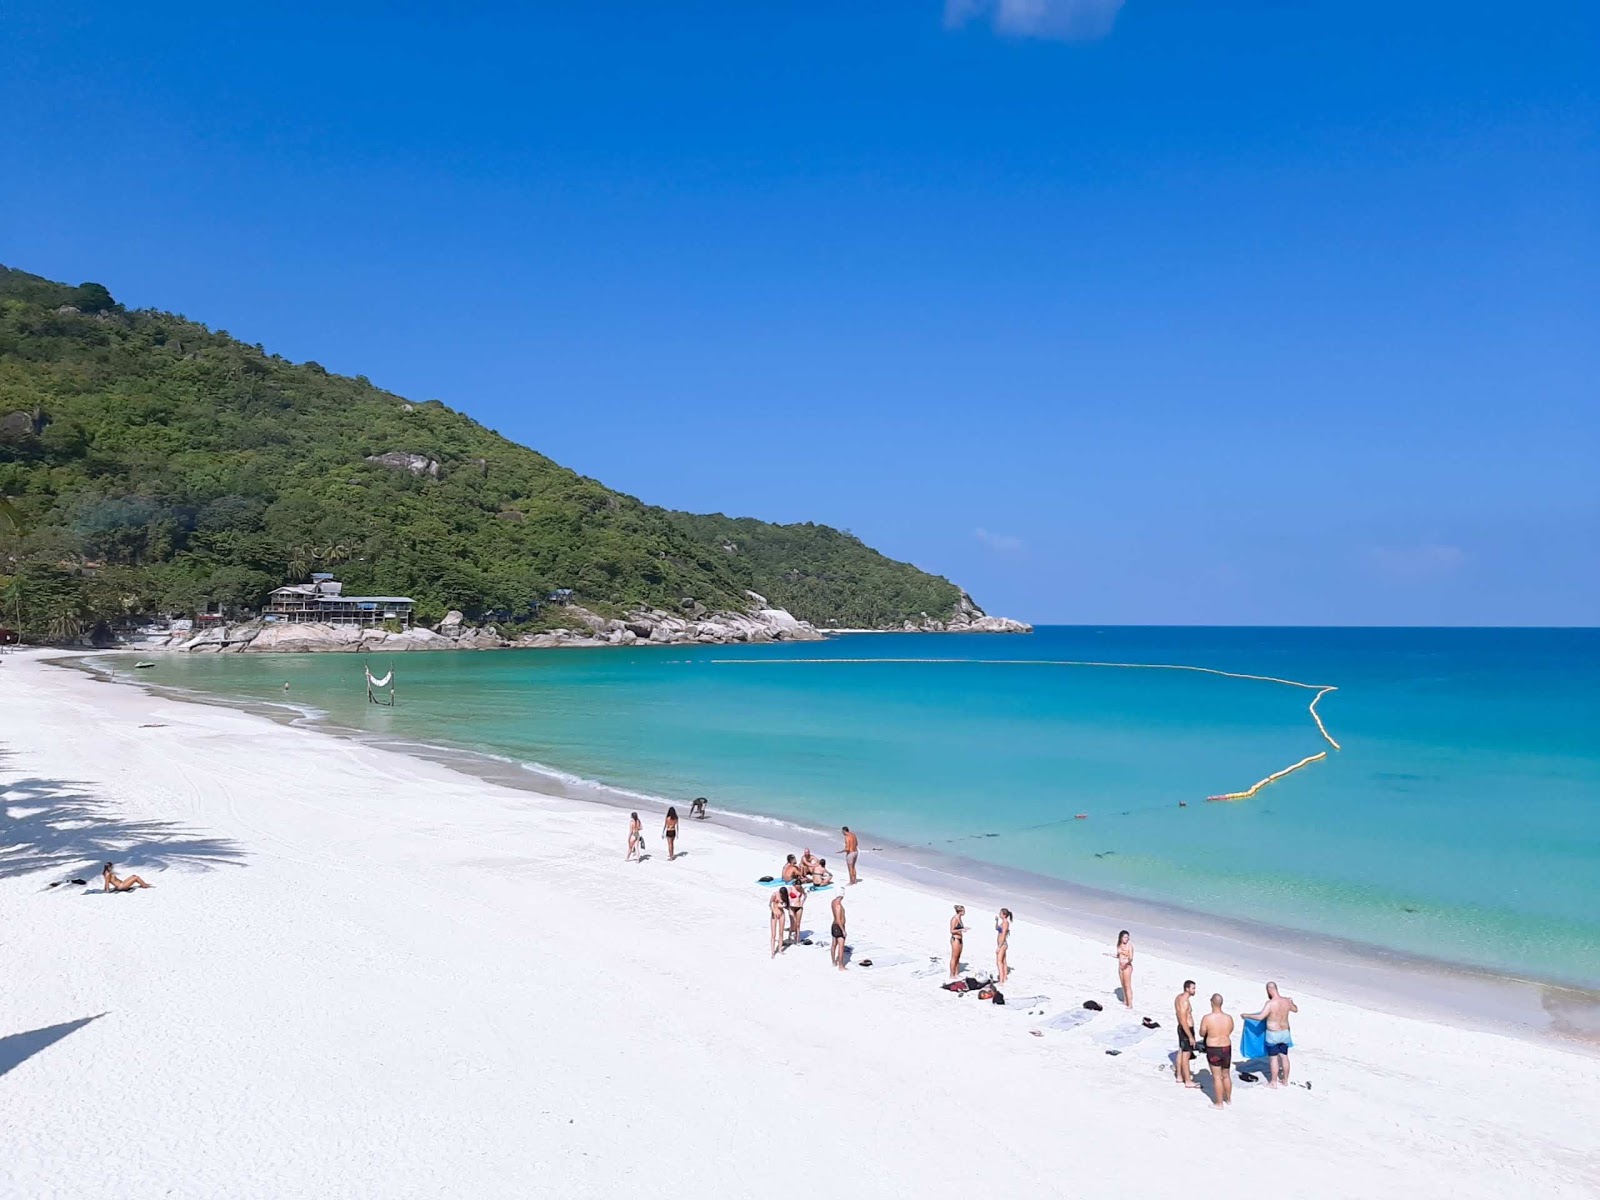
[[1186, 1041], [1216, 1028], [1276, 1014], [851, 848], [838, 931]]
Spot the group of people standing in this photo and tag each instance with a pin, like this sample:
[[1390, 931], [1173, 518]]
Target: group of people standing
[[1214, 1038]]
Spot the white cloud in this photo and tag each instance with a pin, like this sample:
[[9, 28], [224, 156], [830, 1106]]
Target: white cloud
[[1416, 564], [1069, 20], [1000, 543]]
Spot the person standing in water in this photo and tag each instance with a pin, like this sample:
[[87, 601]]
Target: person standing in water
[[838, 931], [1125, 966], [1216, 1028], [958, 937], [1183, 1009], [1002, 942], [1276, 1014], [852, 847], [669, 830], [634, 830]]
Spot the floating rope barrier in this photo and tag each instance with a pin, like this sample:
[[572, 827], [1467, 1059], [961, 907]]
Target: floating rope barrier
[[1320, 689]]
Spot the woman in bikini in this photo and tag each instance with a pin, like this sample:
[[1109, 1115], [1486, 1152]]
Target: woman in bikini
[[1125, 966], [634, 829], [1002, 942], [669, 830], [775, 911], [111, 883], [958, 936]]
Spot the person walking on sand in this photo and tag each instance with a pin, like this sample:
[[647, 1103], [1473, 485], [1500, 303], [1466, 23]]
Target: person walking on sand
[[1183, 1009], [1216, 1028], [958, 937], [838, 931], [669, 830], [777, 905], [852, 847], [1125, 966], [634, 830], [1276, 1014], [110, 882], [1002, 942]]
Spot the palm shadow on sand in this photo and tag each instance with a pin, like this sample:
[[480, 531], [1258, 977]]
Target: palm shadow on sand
[[17, 1048], [60, 826]]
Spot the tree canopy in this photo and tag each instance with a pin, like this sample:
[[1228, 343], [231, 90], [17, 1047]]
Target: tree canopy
[[150, 465]]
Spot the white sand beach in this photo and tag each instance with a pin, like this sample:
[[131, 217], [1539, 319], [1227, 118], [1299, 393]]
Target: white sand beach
[[363, 974]]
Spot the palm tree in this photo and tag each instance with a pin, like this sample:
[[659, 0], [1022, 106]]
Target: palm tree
[[11, 514], [66, 624]]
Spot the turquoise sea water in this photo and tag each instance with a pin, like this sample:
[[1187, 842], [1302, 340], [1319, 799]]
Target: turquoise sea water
[[1460, 820]]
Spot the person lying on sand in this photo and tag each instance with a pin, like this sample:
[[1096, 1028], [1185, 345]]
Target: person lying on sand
[[113, 884]]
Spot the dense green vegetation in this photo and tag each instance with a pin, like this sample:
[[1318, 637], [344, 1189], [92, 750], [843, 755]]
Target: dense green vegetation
[[150, 465]]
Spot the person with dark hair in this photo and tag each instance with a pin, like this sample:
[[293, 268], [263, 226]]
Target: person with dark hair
[[852, 847], [1002, 942], [635, 836], [1216, 1027], [958, 937], [838, 931], [1184, 1010], [669, 830], [791, 870], [797, 908], [111, 883], [820, 875], [1125, 966]]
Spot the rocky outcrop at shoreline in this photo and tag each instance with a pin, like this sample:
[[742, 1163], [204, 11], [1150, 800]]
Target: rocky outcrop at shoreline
[[642, 627]]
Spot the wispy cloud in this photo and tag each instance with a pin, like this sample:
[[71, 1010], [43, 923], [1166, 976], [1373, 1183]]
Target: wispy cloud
[[1422, 563], [1000, 543], [1069, 20]]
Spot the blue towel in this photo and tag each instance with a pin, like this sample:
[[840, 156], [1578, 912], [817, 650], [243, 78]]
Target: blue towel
[[1253, 1042]]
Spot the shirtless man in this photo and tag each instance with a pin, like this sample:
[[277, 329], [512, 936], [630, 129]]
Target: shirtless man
[[852, 847], [1184, 1010], [1216, 1028], [1276, 1014], [790, 871], [838, 931], [808, 864]]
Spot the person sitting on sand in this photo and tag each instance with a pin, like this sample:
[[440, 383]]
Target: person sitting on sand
[[958, 937], [697, 808], [1216, 1030], [791, 871], [1276, 1014], [820, 875], [113, 884], [808, 862]]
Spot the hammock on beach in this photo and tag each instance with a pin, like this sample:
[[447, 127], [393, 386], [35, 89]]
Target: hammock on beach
[[379, 683]]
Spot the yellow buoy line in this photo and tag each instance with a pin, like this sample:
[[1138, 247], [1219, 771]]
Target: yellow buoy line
[[1320, 689]]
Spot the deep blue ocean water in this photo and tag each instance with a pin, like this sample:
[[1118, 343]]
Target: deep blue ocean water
[[1460, 820]]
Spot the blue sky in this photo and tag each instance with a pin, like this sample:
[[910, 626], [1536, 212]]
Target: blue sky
[[1164, 312]]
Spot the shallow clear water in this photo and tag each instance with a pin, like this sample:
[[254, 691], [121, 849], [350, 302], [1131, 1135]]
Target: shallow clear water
[[1461, 819]]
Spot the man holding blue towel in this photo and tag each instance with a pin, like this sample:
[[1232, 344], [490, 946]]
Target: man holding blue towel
[[1278, 1040]]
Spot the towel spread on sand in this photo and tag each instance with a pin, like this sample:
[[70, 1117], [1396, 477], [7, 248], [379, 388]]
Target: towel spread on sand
[[1123, 1037], [1068, 1020], [879, 957]]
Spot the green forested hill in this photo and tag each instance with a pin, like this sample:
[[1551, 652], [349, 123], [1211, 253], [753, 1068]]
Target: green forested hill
[[151, 465]]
